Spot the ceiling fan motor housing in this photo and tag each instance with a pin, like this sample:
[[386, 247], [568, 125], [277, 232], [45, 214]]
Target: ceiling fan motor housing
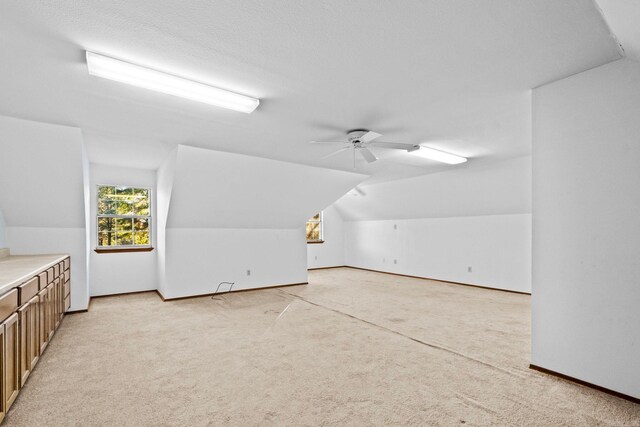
[[354, 136]]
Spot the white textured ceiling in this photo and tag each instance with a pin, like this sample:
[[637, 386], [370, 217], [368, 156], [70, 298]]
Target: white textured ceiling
[[456, 73]]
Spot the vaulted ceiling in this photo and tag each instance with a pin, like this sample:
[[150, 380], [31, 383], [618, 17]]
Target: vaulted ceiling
[[451, 73], [623, 16]]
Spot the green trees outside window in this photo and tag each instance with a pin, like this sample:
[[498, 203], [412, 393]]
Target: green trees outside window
[[314, 229], [124, 216]]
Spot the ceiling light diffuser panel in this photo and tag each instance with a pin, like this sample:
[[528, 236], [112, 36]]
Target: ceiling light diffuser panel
[[147, 78], [439, 156]]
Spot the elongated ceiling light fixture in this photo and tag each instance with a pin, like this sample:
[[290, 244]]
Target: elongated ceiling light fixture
[[125, 72], [439, 156]]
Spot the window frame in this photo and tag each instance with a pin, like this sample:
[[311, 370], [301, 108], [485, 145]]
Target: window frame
[[124, 248], [321, 222]]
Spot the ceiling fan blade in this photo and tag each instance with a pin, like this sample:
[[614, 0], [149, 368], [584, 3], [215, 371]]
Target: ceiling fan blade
[[397, 145], [369, 136], [368, 155], [335, 152], [327, 142]]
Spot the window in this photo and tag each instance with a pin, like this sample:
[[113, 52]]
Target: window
[[124, 217], [314, 229]]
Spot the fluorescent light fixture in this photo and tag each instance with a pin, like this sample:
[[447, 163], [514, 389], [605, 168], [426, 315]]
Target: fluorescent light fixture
[[125, 72], [439, 156]]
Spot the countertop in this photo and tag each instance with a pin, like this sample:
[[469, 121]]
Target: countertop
[[17, 269]]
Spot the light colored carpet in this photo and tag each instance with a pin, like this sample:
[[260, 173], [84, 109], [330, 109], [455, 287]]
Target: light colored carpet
[[351, 348]]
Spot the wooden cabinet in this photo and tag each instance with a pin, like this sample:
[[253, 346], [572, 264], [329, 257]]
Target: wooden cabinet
[[30, 312], [11, 360], [28, 318]]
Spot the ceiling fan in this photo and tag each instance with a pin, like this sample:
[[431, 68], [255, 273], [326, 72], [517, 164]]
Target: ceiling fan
[[360, 140]]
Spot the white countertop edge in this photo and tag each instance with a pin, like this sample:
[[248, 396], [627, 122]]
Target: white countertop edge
[[6, 287]]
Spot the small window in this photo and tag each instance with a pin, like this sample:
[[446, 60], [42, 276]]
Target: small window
[[124, 217], [314, 229]]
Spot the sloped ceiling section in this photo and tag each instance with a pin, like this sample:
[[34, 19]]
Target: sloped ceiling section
[[501, 188], [213, 189], [41, 174], [623, 17]]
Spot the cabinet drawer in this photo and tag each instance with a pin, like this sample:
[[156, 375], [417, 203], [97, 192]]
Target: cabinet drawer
[[27, 290], [67, 288], [67, 276], [50, 277], [8, 304], [42, 280], [67, 263], [56, 271]]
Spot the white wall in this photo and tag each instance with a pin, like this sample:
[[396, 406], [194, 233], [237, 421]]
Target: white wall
[[331, 252], [228, 213], [496, 247], [478, 216], [42, 172], [114, 273], [164, 186], [586, 227], [198, 259]]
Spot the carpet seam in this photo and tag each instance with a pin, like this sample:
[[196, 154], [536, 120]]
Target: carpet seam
[[434, 346]]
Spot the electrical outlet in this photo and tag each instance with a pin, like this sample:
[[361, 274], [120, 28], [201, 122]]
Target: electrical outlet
[[248, 272], [395, 226], [469, 269], [384, 260], [316, 257], [395, 261]]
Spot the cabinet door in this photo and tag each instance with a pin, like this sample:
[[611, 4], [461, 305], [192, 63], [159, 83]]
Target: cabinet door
[[43, 320], [3, 410], [11, 360], [56, 302], [66, 301], [29, 340], [34, 331], [51, 317], [25, 343], [61, 299]]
